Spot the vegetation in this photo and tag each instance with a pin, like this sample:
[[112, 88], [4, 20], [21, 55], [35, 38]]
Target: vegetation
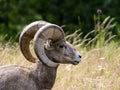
[[100, 65], [76, 14], [95, 37]]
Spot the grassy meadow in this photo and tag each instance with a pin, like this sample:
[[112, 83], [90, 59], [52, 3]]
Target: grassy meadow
[[98, 70]]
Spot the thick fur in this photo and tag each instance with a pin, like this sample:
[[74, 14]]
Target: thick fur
[[16, 77], [40, 77]]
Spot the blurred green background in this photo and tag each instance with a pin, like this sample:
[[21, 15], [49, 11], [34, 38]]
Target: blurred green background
[[74, 14]]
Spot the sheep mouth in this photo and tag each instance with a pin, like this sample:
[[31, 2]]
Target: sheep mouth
[[76, 62]]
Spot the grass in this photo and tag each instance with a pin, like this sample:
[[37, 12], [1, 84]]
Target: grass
[[98, 70], [11, 54]]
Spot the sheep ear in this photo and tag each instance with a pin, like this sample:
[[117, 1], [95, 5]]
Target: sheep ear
[[49, 45]]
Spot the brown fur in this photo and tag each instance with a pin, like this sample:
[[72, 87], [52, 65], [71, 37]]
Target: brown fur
[[20, 78], [40, 77]]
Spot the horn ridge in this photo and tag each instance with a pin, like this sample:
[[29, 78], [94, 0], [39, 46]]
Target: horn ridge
[[26, 36], [48, 31]]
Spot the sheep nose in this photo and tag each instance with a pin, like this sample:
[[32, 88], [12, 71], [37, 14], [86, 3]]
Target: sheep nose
[[80, 56]]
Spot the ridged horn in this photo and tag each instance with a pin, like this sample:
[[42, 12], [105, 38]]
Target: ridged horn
[[47, 32], [26, 36]]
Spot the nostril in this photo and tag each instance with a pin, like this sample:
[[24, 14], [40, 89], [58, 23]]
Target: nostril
[[80, 56]]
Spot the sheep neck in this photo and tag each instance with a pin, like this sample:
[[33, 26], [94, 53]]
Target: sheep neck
[[44, 75]]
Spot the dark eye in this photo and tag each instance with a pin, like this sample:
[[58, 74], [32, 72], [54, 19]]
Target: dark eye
[[61, 46]]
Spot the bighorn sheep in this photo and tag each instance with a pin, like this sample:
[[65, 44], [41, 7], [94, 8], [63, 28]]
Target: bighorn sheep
[[50, 48]]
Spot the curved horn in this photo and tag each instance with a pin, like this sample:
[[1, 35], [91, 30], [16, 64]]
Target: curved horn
[[26, 36], [47, 32]]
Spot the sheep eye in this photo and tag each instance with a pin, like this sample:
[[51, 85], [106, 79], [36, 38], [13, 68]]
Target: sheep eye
[[61, 46]]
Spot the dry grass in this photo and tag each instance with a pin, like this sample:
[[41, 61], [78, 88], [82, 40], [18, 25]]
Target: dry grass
[[98, 70], [11, 55]]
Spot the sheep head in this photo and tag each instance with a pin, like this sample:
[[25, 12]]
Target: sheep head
[[49, 44], [62, 51]]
